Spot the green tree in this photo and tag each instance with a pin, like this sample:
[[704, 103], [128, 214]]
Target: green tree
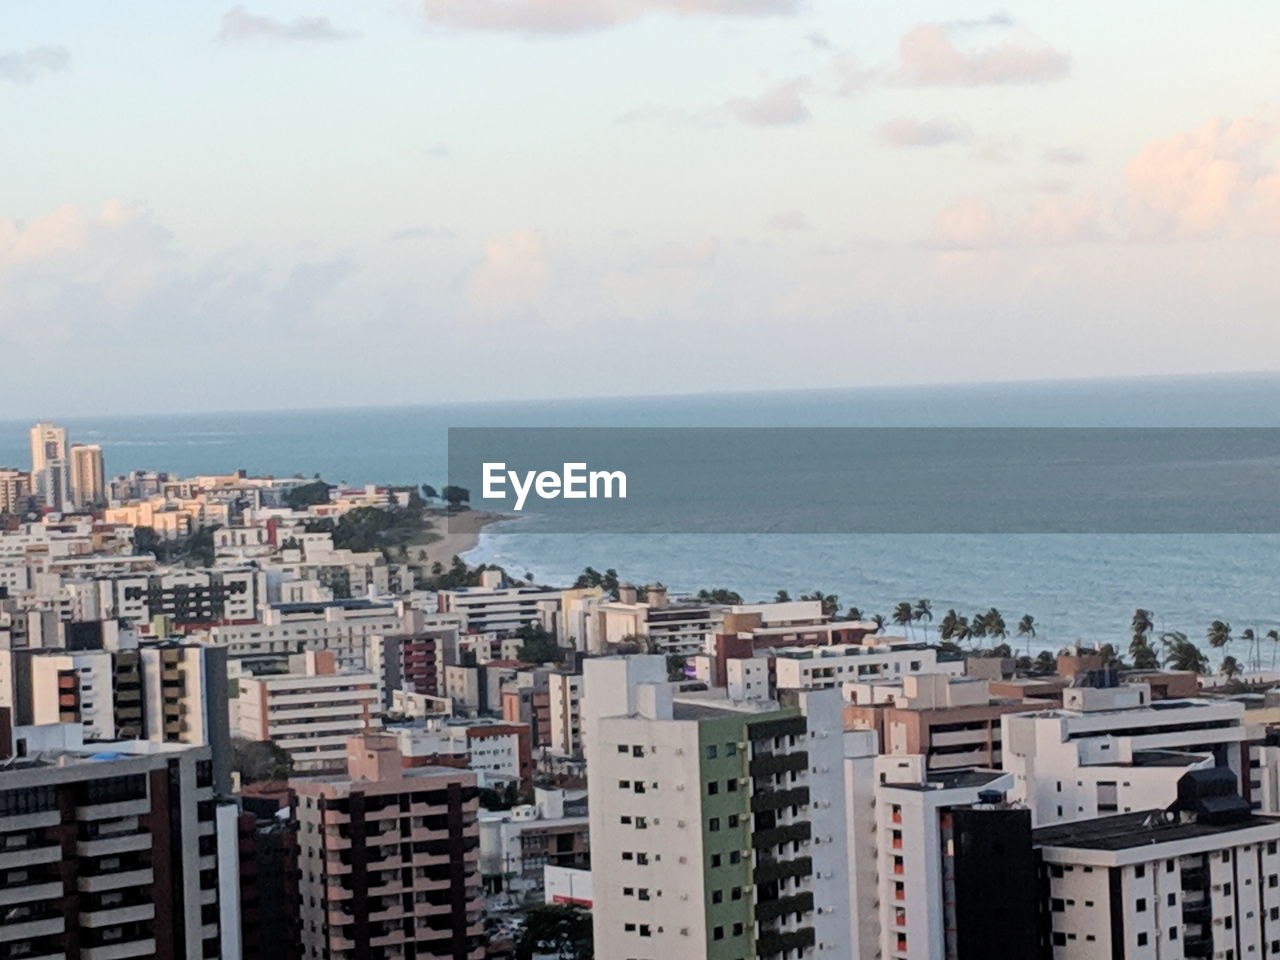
[[146, 540], [307, 495], [1045, 662], [903, 615], [259, 760], [455, 496], [923, 614], [539, 645], [563, 930], [1274, 637], [1230, 667], [829, 602], [1218, 634], [1143, 654], [1181, 654], [1248, 636], [719, 595], [429, 492], [1027, 628], [782, 597]]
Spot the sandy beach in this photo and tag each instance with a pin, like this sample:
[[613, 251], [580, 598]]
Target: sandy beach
[[458, 532]]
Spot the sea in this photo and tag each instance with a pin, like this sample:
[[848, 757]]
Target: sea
[[1078, 587]]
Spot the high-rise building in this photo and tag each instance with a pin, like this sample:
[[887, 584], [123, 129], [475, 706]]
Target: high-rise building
[[717, 827], [388, 859], [108, 851], [15, 491], [88, 476], [312, 711], [48, 442], [53, 485]]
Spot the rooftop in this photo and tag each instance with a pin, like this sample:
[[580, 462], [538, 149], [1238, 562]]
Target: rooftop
[[1143, 828]]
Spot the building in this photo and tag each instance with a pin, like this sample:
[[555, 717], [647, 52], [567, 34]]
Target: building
[[1111, 749], [310, 712], [817, 668], [564, 691], [268, 890], [187, 598], [48, 442], [108, 851], [1199, 879], [712, 834], [497, 751], [517, 845], [953, 721], [15, 491], [494, 608], [389, 859], [88, 477], [53, 486]]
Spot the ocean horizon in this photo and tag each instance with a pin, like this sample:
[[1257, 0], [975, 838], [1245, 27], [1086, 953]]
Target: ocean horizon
[[1079, 587]]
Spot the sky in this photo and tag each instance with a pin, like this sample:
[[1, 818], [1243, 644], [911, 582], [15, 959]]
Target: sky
[[308, 203]]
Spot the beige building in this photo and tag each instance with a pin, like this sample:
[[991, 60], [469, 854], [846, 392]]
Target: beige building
[[389, 859], [88, 476]]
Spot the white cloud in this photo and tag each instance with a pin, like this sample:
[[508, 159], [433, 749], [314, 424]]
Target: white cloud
[[239, 24], [781, 105], [1221, 178], [789, 220], [513, 275], [579, 16], [26, 66], [909, 132], [930, 56]]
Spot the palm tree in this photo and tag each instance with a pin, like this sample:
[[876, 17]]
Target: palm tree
[[1142, 624], [853, 614], [828, 601], [1027, 628], [1143, 653], [782, 597], [978, 626], [878, 620], [963, 630], [1274, 637], [994, 624], [1181, 654], [1248, 637], [902, 615], [947, 628], [1110, 658], [1230, 667], [1218, 634], [924, 613]]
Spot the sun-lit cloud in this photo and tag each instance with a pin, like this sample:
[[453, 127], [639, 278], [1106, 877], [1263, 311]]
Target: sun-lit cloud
[[1220, 178], [781, 105], [513, 274], [930, 56], [581, 16], [909, 132], [27, 66], [239, 24], [1064, 156]]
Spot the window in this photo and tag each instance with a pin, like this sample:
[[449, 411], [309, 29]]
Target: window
[[713, 788], [717, 933], [733, 820], [712, 753], [717, 896], [624, 784], [1173, 933], [1056, 905], [713, 824], [628, 891], [643, 893], [622, 748], [731, 785], [637, 751], [624, 820], [1140, 870], [642, 859], [1173, 899], [735, 893], [715, 860], [1142, 939], [644, 930], [735, 856], [737, 929], [1141, 905]]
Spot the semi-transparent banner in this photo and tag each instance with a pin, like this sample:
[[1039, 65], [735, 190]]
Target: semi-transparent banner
[[871, 480]]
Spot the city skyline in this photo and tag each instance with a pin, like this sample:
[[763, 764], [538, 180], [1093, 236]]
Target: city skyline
[[818, 194]]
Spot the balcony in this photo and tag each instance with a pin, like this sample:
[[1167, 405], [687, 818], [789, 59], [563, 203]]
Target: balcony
[[769, 764], [769, 871], [772, 944], [779, 799], [115, 916], [773, 909], [775, 837], [13, 858], [115, 881], [110, 846]]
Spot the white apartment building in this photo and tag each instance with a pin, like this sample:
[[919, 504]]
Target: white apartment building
[[340, 627], [565, 691], [311, 712], [491, 608], [497, 751], [817, 668], [76, 688], [717, 828], [184, 596], [1198, 880], [1112, 750]]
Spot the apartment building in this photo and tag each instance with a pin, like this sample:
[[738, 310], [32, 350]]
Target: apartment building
[[108, 851], [389, 859], [1198, 879], [953, 721], [311, 711], [817, 668], [517, 845], [717, 828], [499, 752], [268, 882], [410, 661], [188, 598], [15, 491], [924, 870], [340, 627], [492, 608], [88, 476], [564, 692], [1111, 749]]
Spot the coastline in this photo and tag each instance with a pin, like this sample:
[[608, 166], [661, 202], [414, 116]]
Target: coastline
[[459, 534]]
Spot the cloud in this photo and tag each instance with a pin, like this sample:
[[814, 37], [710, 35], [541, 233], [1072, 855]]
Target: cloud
[[437, 150], [580, 16], [974, 223], [789, 220], [513, 275], [26, 66], [239, 24], [907, 132], [930, 57], [1221, 178], [848, 75], [1064, 156], [421, 233], [781, 105]]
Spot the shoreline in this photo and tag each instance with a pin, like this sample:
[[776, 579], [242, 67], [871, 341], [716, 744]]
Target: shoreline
[[459, 534]]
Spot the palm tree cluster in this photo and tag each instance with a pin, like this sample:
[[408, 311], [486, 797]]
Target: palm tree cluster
[[957, 628]]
